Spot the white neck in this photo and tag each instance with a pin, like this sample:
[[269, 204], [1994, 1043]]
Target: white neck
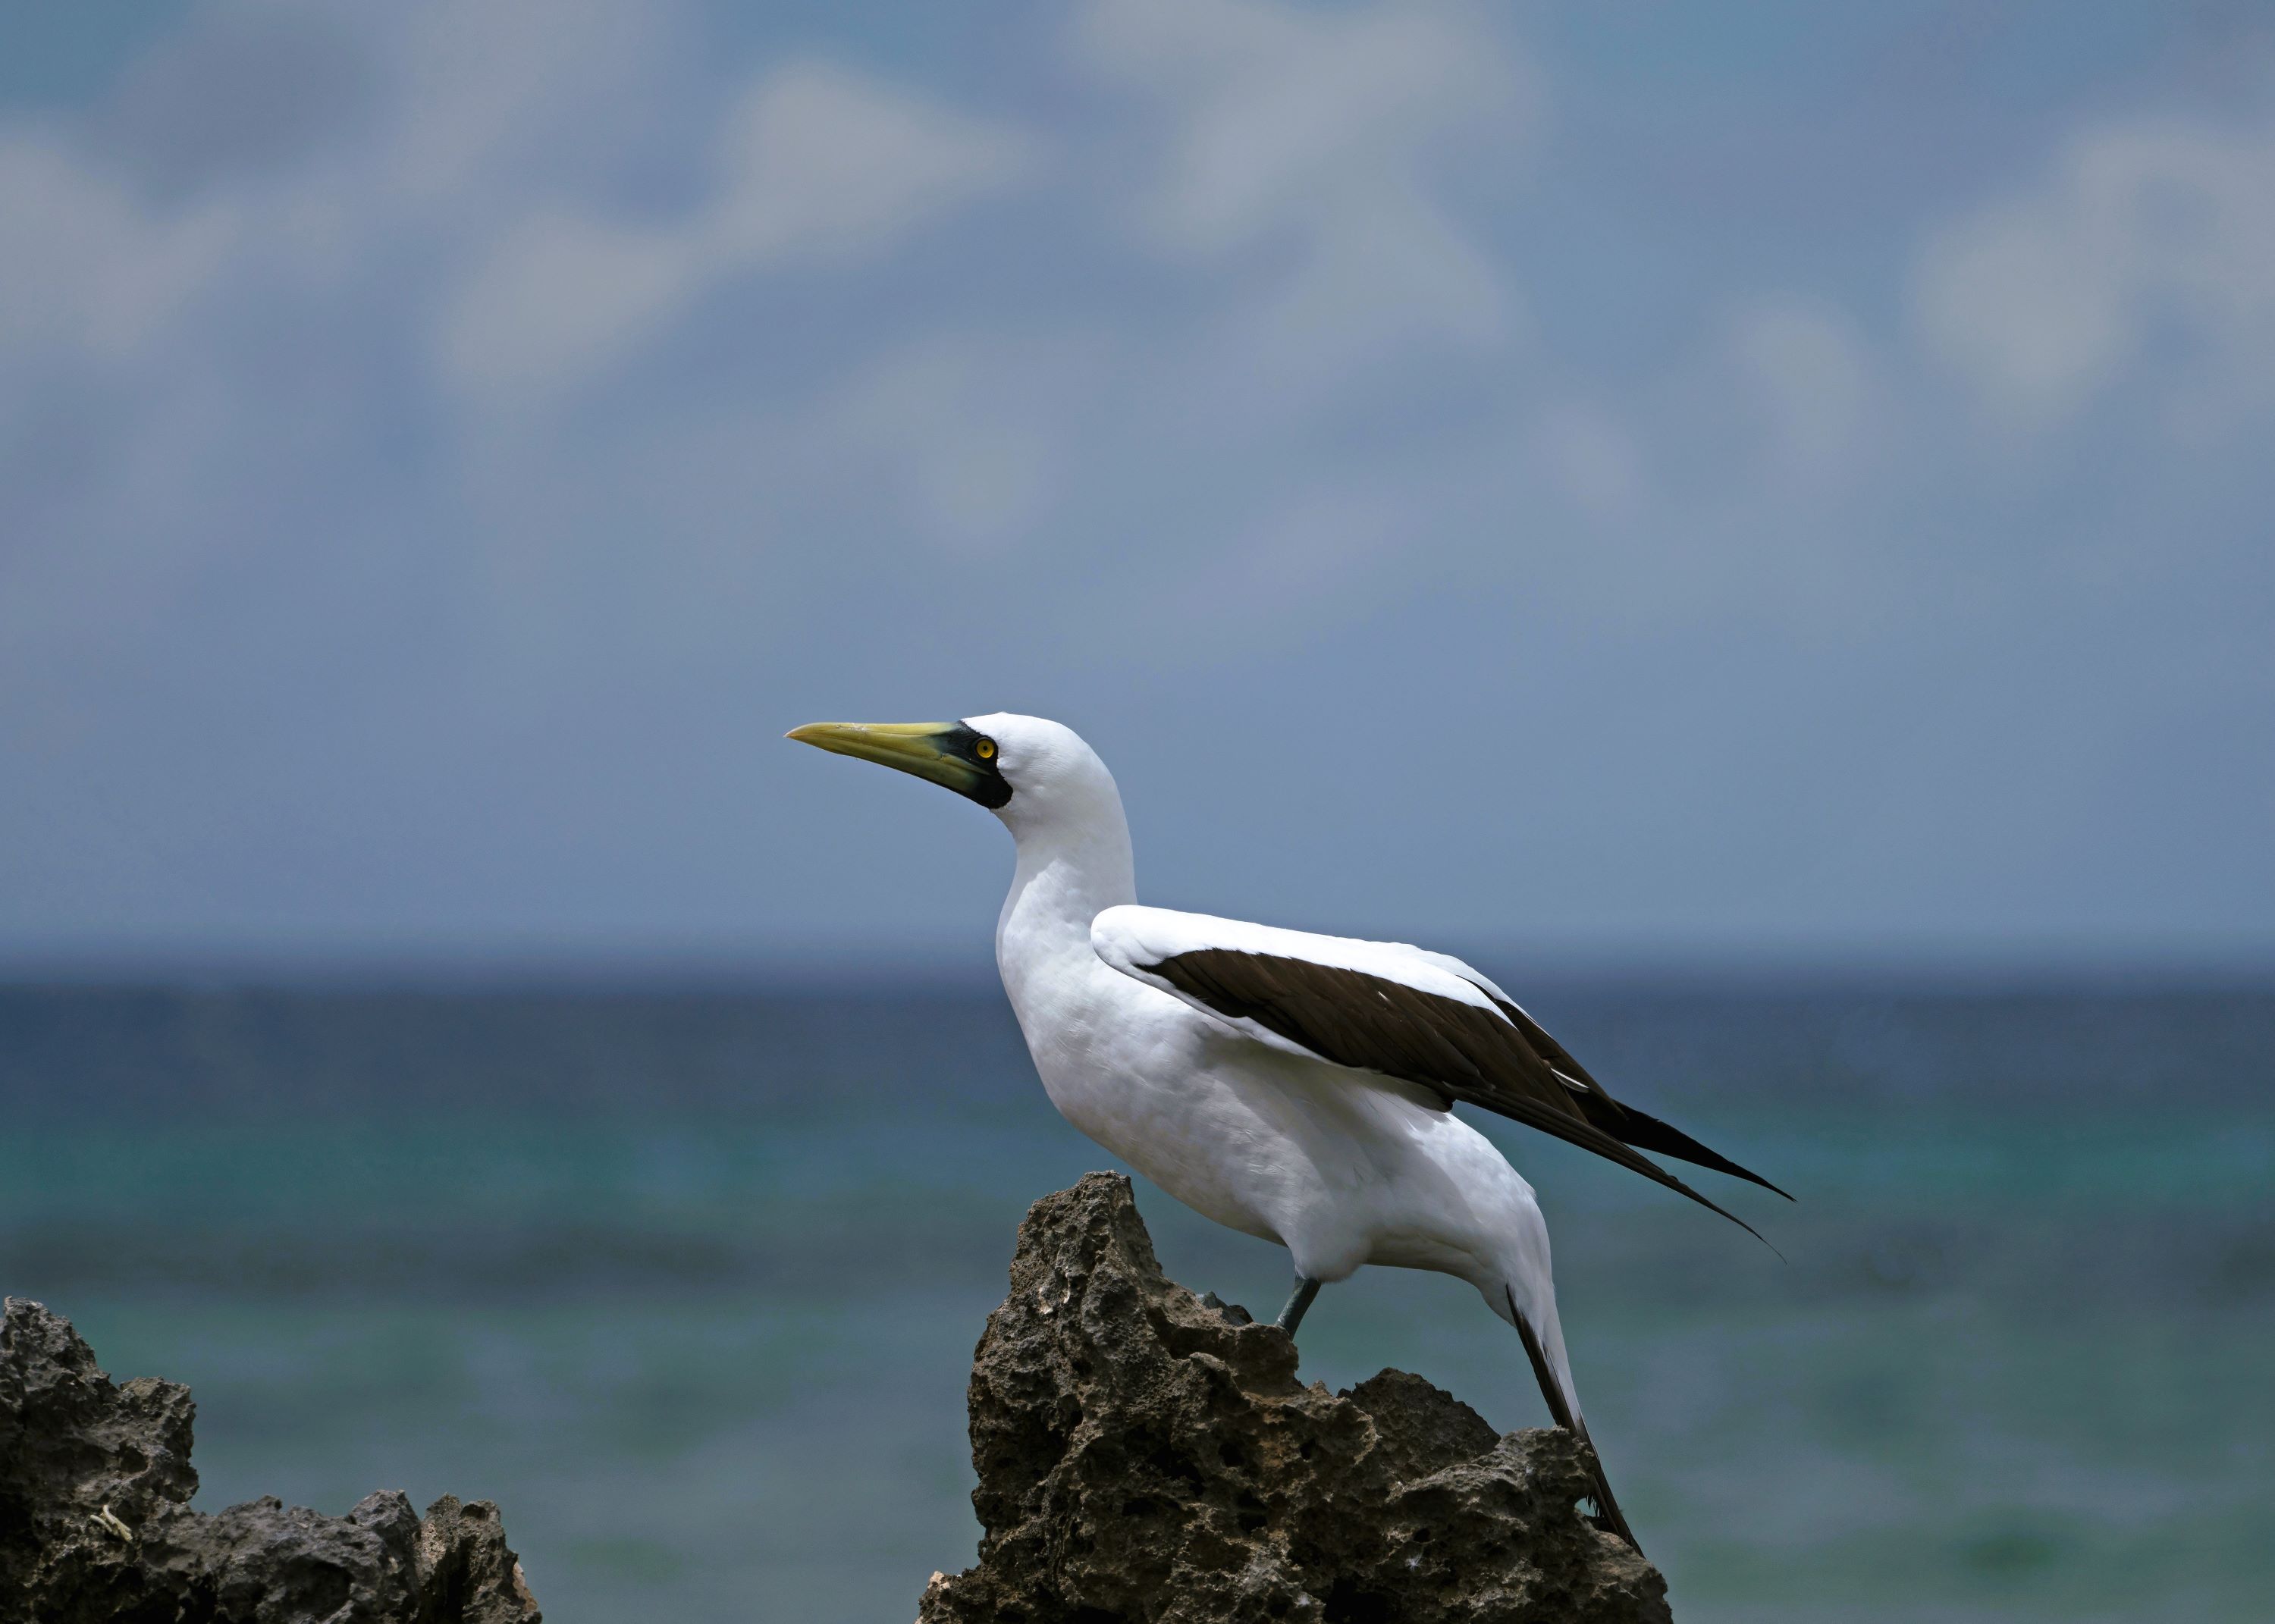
[[1073, 865]]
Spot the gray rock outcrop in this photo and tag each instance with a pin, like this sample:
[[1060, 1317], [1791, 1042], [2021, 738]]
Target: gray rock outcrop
[[96, 1524], [1143, 1459]]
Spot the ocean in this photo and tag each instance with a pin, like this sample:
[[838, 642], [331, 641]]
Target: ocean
[[688, 1279]]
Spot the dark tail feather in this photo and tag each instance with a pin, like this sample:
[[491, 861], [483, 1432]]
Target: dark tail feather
[[1648, 1133], [1608, 1516]]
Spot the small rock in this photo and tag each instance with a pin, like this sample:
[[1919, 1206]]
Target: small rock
[[1231, 1311], [96, 1524]]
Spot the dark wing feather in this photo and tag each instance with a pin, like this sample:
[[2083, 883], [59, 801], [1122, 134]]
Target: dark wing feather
[[1648, 1133], [1373, 1024], [1623, 1121]]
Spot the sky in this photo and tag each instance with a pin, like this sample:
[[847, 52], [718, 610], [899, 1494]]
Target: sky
[[1613, 482]]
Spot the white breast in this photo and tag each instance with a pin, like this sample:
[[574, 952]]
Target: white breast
[[1137, 1071]]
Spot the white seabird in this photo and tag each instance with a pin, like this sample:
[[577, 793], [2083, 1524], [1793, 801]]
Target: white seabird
[[1292, 1086]]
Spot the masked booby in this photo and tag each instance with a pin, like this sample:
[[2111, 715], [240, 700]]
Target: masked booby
[[1292, 1086]]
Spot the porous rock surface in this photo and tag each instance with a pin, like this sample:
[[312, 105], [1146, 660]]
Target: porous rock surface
[[95, 1523], [1141, 1457]]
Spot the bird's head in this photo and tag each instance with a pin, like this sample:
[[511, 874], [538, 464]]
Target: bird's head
[[1022, 768]]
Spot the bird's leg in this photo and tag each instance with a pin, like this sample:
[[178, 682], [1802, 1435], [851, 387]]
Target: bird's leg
[[1292, 1316], [1608, 1516]]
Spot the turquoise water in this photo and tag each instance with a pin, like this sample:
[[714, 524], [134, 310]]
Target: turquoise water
[[689, 1283]]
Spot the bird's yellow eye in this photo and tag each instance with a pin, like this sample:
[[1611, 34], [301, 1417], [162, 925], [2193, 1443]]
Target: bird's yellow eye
[[985, 749]]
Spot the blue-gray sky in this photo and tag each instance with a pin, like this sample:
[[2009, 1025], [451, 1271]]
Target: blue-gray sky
[[1617, 480]]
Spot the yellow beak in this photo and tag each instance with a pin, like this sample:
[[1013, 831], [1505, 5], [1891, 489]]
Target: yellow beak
[[940, 752]]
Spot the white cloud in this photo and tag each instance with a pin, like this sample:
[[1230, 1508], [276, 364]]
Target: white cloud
[[562, 294], [482, 103], [968, 433], [2146, 233], [1322, 132], [237, 364], [1281, 573], [1723, 484], [816, 167], [1801, 366], [1282, 112], [1584, 455], [826, 167], [88, 268]]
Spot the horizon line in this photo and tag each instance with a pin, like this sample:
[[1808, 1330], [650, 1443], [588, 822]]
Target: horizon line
[[2007, 965]]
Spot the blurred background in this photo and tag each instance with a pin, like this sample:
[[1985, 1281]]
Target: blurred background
[[1753, 524]]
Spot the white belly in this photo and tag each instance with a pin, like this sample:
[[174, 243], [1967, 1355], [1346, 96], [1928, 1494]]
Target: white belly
[[1343, 1168]]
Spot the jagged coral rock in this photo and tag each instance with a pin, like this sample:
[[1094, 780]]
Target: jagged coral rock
[[96, 1524], [1142, 1458]]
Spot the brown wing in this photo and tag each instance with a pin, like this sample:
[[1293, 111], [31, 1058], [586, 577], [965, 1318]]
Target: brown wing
[[1373, 1024]]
